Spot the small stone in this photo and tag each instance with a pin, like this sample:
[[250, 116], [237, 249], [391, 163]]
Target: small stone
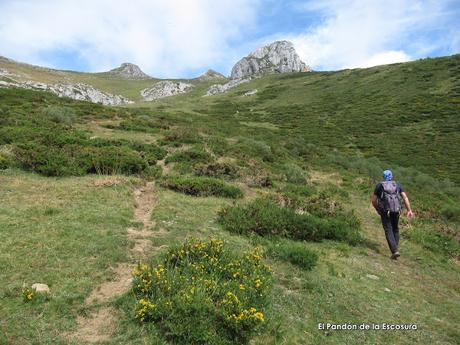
[[40, 288], [387, 289], [250, 92], [373, 277]]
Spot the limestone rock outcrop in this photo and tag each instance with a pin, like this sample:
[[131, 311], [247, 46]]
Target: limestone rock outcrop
[[129, 71], [210, 75], [79, 91], [279, 56], [165, 88], [219, 88]]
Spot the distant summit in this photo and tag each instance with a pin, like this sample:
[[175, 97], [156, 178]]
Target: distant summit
[[129, 71], [210, 74], [277, 57]]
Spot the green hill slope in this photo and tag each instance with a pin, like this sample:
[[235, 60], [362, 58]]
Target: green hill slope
[[289, 169]]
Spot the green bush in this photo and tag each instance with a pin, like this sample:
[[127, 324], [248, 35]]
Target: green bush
[[451, 211], [308, 199], [266, 218], [141, 123], [181, 136], [202, 293], [249, 148], [112, 160], [202, 186], [294, 174], [193, 155], [216, 170], [60, 114], [78, 160], [295, 253]]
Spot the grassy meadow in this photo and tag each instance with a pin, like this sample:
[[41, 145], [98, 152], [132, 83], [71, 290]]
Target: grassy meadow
[[289, 171]]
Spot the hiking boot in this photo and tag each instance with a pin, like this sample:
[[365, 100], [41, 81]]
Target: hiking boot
[[395, 255]]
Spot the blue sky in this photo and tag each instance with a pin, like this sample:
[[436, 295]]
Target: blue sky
[[183, 38]]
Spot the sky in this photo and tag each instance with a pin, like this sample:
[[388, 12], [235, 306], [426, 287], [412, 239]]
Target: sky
[[184, 38]]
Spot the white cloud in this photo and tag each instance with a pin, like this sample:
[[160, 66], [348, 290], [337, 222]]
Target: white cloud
[[385, 58], [361, 33], [166, 38]]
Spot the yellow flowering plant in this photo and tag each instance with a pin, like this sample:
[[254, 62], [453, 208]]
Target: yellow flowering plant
[[202, 292]]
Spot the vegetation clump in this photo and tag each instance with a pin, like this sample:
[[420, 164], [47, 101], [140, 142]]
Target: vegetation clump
[[295, 253], [202, 293], [265, 217], [216, 169], [202, 186]]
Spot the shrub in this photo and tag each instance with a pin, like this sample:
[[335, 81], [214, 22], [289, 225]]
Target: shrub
[[78, 160], [202, 186], [60, 114], [142, 123], [266, 218], [451, 211], [294, 174], [112, 160], [193, 155], [216, 170], [259, 180], [250, 148], [182, 136], [295, 253], [202, 293], [4, 161]]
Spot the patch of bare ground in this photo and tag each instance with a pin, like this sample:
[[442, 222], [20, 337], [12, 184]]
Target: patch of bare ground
[[96, 328], [100, 324]]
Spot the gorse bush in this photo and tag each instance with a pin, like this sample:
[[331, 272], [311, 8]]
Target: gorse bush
[[266, 218], [202, 186], [202, 293]]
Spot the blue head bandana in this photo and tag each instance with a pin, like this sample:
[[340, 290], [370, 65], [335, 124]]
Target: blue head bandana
[[387, 175]]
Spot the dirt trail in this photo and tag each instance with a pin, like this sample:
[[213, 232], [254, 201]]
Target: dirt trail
[[99, 325]]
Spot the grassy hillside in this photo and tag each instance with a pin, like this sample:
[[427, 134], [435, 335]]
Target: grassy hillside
[[104, 81], [288, 170]]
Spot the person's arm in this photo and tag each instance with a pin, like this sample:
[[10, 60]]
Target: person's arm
[[410, 214], [375, 202]]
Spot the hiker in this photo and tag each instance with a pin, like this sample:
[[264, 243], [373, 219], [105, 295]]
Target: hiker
[[387, 202]]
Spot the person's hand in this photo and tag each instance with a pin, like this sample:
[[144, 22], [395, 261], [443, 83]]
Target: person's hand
[[410, 214]]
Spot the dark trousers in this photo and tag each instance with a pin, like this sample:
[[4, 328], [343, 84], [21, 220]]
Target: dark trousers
[[390, 225]]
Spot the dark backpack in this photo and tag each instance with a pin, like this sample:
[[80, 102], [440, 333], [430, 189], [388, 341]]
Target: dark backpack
[[389, 199]]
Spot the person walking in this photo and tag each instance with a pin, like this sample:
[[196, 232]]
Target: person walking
[[387, 202]]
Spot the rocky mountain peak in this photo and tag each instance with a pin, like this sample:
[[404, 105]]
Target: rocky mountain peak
[[210, 74], [276, 57], [129, 71]]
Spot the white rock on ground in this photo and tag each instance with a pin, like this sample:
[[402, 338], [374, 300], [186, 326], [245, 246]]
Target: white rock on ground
[[165, 88], [79, 91], [250, 92], [40, 288], [219, 88], [279, 56]]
